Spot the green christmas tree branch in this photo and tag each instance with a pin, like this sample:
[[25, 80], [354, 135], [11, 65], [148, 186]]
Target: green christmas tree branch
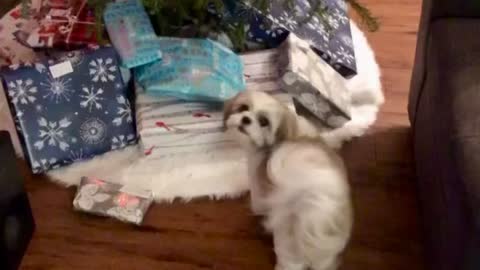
[[176, 17]]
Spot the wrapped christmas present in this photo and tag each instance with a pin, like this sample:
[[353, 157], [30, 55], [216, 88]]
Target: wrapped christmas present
[[102, 198], [330, 36], [131, 33], [168, 126], [70, 108], [315, 85], [13, 31], [66, 24], [260, 33], [261, 70], [194, 70]]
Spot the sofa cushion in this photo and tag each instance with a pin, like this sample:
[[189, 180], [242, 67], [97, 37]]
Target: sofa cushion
[[455, 57], [456, 8], [447, 142]]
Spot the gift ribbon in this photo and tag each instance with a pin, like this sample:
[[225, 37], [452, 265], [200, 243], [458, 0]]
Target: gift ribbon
[[71, 21]]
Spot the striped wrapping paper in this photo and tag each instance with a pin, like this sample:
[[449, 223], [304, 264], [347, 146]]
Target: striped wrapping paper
[[168, 126]]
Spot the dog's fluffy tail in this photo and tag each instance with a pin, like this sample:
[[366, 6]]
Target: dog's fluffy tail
[[322, 229]]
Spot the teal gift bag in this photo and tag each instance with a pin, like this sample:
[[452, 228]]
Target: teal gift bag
[[194, 70], [131, 32]]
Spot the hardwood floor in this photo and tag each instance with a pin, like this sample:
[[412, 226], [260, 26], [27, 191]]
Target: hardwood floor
[[222, 234]]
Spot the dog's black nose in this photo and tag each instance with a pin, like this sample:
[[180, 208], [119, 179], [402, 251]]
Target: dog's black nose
[[246, 120]]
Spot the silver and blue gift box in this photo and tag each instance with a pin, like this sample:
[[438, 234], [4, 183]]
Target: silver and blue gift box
[[70, 107]]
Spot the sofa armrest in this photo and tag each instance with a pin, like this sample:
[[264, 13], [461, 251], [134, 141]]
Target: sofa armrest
[[419, 68]]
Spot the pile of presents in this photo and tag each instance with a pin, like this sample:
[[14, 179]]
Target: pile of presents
[[71, 99]]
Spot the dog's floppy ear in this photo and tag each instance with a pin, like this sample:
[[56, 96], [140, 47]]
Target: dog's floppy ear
[[228, 108], [288, 126]]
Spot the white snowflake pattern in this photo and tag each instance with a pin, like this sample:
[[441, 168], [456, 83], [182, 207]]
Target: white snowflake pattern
[[314, 30], [44, 165], [342, 4], [121, 141], [93, 131], [346, 39], [288, 20], [91, 98], [333, 56], [78, 156], [306, 4], [312, 25], [333, 22], [123, 111], [344, 56], [302, 11], [310, 40], [53, 133], [22, 91], [14, 66], [315, 39], [38, 66], [102, 70], [340, 16], [58, 89], [275, 22]]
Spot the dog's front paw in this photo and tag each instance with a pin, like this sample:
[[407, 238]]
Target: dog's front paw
[[289, 266], [281, 267]]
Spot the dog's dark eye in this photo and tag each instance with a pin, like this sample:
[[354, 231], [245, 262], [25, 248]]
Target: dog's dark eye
[[243, 108], [263, 121]]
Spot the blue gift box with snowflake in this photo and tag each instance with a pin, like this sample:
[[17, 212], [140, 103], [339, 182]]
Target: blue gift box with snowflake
[[329, 36], [70, 108]]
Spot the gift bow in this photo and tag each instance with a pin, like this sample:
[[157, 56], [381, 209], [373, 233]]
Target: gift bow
[[65, 29]]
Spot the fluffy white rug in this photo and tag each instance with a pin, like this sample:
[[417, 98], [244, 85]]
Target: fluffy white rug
[[191, 177]]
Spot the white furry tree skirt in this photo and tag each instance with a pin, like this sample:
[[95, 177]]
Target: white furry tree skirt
[[221, 174]]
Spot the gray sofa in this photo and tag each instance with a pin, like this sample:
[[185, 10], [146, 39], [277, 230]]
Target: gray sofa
[[444, 111]]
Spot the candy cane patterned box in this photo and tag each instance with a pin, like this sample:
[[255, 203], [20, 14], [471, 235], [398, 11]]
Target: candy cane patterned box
[[70, 108], [168, 126]]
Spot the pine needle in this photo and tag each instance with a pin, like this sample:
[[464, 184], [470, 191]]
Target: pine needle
[[367, 18], [25, 9], [99, 8]]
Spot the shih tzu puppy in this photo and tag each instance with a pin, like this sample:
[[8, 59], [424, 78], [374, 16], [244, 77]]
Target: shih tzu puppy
[[296, 182]]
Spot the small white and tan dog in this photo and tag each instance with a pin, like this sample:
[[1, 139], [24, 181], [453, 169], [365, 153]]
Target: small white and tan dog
[[297, 182]]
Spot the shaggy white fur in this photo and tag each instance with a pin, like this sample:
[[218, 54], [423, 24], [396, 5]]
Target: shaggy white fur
[[191, 177]]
